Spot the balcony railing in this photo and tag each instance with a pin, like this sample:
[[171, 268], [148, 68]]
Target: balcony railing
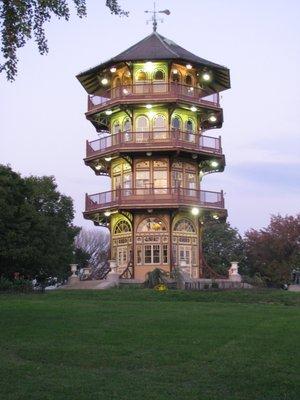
[[157, 139], [153, 198], [150, 91]]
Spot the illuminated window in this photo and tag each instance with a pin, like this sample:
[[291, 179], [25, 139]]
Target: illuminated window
[[122, 226]]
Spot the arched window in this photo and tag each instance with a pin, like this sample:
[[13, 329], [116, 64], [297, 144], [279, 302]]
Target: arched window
[[117, 82], [184, 225], [176, 124], [142, 123], [175, 76], [189, 80], [159, 122], [127, 125], [189, 126], [122, 226], [126, 79], [152, 225], [142, 128], [141, 76], [116, 127], [159, 75], [159, 127]]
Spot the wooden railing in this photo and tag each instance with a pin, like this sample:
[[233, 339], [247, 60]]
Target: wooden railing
[[158, 139], [153, 198], [149, 91]]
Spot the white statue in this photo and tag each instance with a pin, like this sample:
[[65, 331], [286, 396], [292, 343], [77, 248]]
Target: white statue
[[233, 272]]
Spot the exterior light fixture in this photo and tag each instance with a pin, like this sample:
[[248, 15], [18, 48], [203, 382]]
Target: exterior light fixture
[[195, 211], [104, 81], [113, 70], [149, 106], [194, 156], [175, 71], [149, 66], [108, 159], [214, 164], [193, 108], [206, 77], [108, 112], [98, 167], [125, 91], [149, 153], [215, 216], [188, 66], [107, 213], [212, 118]]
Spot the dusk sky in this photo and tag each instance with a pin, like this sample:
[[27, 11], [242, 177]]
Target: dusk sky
[[43, 127]]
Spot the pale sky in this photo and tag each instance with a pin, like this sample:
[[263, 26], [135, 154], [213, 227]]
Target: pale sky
[[43, 128]]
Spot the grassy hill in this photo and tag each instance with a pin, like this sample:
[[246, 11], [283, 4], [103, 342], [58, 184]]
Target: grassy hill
[[140, 344]]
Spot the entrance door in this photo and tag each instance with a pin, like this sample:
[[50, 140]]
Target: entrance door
[[122, 256], [185, 254]]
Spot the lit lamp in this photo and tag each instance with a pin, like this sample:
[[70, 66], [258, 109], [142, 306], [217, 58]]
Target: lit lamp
[[212, 118], [148, 106], [193, 108], [206, 77], [188, 66], [98, 166], [149, 66], [104, 81], [108, 112], [108, 159], [214, 164], [113, 70], [107, 213], [195, 211]]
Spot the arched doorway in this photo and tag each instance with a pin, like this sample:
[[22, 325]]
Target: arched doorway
[[152, 242], [122, 243], [185, 246]]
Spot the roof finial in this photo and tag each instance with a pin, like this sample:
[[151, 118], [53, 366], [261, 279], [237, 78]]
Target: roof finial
[[154, 18]]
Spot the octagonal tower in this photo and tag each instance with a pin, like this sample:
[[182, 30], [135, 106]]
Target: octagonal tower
[[152, 106]]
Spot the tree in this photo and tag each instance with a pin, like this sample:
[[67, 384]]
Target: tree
[[22, 19], [94, 242], [222, 244], [274, 251], [37, 233]]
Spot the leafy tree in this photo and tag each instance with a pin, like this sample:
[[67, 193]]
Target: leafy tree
[[222, 244], [22, 19], [274, 251], [36, 231]]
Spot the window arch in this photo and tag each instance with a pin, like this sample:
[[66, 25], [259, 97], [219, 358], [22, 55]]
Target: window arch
[[159, 75], [122, 226], [159, 122], [142, 123], [189, 80], [152, 224], [127, 125], [116, 127], [141, 76], [184, 225], [176, 123], [117, 82], [175, 76], [126, 78], [190, 126]]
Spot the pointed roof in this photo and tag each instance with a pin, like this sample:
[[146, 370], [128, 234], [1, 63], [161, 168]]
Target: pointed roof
[[154, 47]]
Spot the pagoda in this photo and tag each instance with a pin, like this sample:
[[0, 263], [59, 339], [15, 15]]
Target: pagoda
[[153, 106]]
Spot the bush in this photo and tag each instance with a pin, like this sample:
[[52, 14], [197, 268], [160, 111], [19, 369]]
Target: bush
[[17, 285], [215, 285], [155, 277]]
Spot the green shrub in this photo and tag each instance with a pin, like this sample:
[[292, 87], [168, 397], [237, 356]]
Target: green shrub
[[6, 285], [155, 277], [215, 285], [16, 285]]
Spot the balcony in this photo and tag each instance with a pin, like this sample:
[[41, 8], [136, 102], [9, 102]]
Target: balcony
[[151, 198], [154, 92], [145, 141]]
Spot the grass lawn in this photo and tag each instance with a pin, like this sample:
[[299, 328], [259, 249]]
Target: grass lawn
[[139, 344]]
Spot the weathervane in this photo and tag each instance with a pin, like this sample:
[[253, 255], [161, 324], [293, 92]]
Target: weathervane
[[154, 18]]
